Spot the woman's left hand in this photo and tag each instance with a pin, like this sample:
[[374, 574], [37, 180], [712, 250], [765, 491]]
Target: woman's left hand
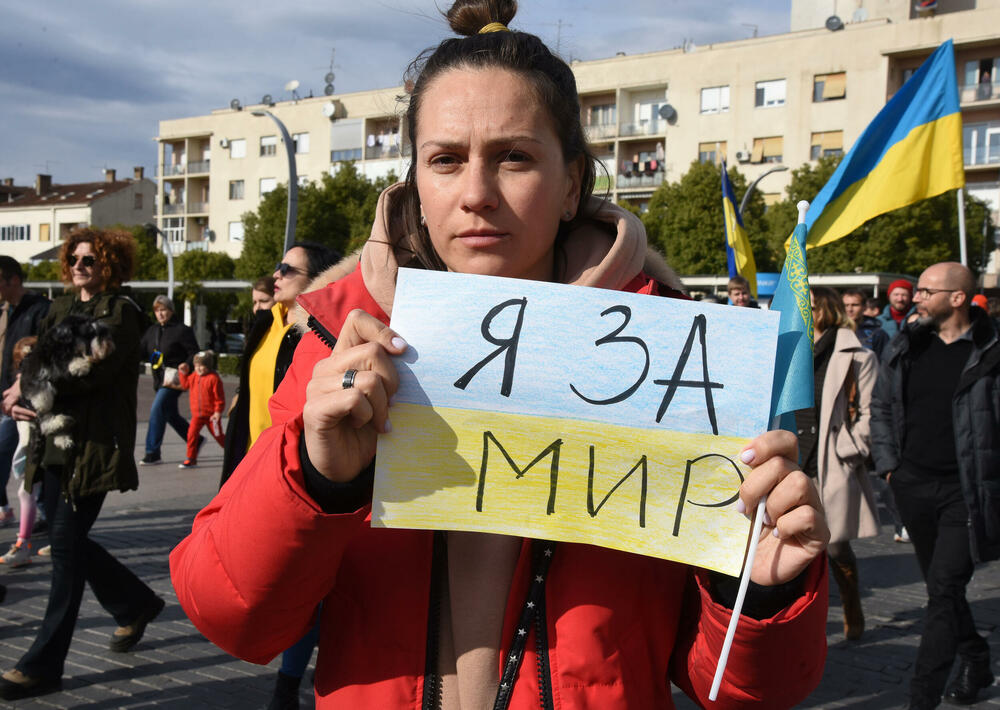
[[795, 530]]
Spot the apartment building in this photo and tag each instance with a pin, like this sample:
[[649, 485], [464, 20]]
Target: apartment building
[[760, 102], [34, 221]]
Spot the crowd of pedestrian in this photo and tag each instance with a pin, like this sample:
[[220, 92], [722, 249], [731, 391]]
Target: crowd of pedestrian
[[907, 399]]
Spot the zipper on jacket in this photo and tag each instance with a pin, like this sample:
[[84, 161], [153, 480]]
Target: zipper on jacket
[[322, 333], [533, 613], [432, 681]]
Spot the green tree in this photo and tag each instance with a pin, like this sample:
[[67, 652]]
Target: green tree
[[193, 268], [906, 241], [685, 221], [337, 211]]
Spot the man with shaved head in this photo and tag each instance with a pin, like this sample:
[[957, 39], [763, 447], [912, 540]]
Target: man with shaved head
[[934, 434]]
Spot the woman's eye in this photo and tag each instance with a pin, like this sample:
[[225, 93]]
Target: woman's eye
[[443, 160], [516, 156]]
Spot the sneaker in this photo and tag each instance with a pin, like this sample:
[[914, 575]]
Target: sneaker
[[45, 551], [150, 460], [6, 516], [18, 555], [901, 536], [188, 463]]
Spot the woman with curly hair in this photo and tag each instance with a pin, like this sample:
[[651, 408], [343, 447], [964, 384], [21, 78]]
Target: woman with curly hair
[[101, 404]]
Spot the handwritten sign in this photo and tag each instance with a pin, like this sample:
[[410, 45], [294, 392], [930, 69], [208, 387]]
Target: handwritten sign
[[575, 414]]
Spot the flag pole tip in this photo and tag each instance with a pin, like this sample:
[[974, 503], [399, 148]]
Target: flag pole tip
[[803, 207]]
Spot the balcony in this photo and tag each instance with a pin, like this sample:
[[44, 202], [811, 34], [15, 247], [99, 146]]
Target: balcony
[[600, 131], [644, 128], [380, 152], [638, 182], [201, 166], [176, 208], [171, 170], [972, 93], [197, 208]]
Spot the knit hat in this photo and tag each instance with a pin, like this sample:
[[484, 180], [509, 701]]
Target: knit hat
[[900, 283]]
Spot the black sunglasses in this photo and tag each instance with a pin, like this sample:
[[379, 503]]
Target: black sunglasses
[[88, 261], [284, 269]]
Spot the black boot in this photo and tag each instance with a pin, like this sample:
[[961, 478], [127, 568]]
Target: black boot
[[286, 693], [972, 677]]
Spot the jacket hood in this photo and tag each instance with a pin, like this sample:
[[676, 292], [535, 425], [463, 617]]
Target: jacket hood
[[298, 316], [606, 250]]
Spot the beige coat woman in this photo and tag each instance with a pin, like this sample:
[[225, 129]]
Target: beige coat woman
[[843, 440]]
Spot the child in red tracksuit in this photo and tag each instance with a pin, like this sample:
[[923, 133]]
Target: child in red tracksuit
[[207, 401]]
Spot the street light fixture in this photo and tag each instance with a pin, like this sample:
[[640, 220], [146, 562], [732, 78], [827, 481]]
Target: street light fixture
[[154, 230], [293, 181], [746, 196]]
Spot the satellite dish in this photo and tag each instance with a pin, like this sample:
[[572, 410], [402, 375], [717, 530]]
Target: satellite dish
[[267, 100], [235, 105], [860, 15], [328, 90], [668, 113], [292, 85], [834, 23], [329, 77], [329, 109]]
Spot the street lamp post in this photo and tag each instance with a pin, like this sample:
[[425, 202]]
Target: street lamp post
[[746, 195], [293, 181], [154, 230]]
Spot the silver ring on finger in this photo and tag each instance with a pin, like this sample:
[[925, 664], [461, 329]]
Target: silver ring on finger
[[348, 381]]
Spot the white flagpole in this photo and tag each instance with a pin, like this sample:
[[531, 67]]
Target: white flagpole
[[758, 523], [963, 252]]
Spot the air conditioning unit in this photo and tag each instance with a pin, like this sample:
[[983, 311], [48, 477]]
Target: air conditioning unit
[[224, 143], [742, 156]]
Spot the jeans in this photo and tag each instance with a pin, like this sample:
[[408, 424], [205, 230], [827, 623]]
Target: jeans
[[163, 412], [935, 515], [8, 444], [76, 560], [296, 658]]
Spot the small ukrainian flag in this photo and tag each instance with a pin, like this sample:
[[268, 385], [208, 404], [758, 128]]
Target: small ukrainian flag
[[739, 256]]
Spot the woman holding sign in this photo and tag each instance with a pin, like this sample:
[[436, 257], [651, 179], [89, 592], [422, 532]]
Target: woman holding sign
[[500, 184]]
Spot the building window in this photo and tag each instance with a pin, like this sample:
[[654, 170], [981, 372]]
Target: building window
[[826, 143], [767, 150], [602, 115], [173, 229], [238, 148], [235, 189], [236, 231], [982, 79], [338, 156], [301, 141], [267, 184], [715, 99], [43, 232], [981, 143], [770, 93], [829, 87], [268, 145], [15, 233], [137, 201], [712, 152]]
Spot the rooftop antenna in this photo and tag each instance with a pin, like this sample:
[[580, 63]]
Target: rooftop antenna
[[330, 76], [559, 25], [754, 27]]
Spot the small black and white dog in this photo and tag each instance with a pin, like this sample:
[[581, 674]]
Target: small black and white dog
[[67, 350]]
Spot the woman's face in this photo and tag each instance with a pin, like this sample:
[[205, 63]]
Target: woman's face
[[85, 278], [162, 314], [295, 278], [491, 175], [262, 301]]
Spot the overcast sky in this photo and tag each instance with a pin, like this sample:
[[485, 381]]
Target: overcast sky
[[85, 83]]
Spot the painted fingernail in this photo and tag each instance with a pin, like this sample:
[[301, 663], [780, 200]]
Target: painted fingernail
[[741, 507], [767, 519], [399, 343], [775, 533], [387, 427], [747, 456]]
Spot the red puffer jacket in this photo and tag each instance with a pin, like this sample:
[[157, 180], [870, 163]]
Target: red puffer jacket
[[616, 627]]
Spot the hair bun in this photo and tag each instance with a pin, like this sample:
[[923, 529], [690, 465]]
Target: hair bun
[[467, 17]]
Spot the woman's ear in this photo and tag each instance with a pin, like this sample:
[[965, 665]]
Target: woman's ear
[[574, 178]]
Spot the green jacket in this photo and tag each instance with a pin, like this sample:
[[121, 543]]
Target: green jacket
[[102, 403]]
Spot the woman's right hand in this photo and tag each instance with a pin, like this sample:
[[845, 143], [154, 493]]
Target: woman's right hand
[[341, 426]]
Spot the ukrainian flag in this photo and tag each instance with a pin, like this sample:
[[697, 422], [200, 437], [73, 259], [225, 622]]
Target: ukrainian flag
[[793, 366], [911, 151], [739, 256]]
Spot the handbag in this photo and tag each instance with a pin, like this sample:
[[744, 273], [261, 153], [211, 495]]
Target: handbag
[[171, 378]]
